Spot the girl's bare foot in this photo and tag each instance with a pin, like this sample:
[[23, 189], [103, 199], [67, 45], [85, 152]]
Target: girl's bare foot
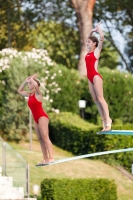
[[45, 162], [41, 162], [51, 160], [104, 125], [108, 125]]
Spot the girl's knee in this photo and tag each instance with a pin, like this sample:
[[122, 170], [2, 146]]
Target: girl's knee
[[95, 100], [46, 138], [100, 99], [40, 139]]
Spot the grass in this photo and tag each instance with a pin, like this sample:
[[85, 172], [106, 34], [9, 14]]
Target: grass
[[84, 168]]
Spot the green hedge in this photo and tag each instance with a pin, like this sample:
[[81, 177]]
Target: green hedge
[[72, 133], [78, 189]]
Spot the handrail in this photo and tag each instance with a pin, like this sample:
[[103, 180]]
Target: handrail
[[14, 165]]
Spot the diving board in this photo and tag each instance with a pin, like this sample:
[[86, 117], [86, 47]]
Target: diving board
[[86, 156], [117, 132]]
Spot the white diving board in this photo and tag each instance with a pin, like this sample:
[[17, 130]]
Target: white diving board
[[117, 132], [87, 156]]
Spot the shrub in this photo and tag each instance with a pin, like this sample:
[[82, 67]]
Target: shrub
[[70, 92], [70, 132], [78, 189]]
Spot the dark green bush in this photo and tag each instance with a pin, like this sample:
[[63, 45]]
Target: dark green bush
[[72, 133], [78, 189]]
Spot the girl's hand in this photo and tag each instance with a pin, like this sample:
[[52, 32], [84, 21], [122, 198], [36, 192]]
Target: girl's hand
[[94, 30], [34, 76], [27, 79], [98, 26]]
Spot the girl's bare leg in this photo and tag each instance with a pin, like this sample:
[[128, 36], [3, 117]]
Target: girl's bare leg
[[43, 128], [98, 87], [93, 94], [42, 143]]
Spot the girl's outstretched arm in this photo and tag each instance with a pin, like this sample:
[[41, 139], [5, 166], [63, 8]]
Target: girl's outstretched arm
[[99, 30], [100, 43], [21, 88], [37, 90], [36, 87]]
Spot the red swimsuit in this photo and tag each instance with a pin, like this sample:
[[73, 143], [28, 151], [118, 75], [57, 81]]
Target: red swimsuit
[[36, 108], [90, 66]]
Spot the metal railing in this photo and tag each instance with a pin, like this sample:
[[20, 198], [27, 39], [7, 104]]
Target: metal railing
[[14, 165]]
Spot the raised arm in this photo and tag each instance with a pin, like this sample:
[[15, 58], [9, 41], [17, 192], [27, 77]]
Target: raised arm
[[92, 31], [37, 90], [100, 43], [99, 30], [21, 88]]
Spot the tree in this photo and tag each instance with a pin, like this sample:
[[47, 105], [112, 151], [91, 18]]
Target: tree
[[63, 20], [84, 11], [112, 16], [60, 40], [62, 11], [109, 56], [14, 26]]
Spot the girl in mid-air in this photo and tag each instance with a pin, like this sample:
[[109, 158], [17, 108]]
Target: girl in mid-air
[[94, 78], [41, 119]]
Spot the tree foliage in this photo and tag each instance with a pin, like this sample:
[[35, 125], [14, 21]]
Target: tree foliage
[[51, 25], [118, 16], [109, 56], [14, 26], [18, 16], [61, 41]]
